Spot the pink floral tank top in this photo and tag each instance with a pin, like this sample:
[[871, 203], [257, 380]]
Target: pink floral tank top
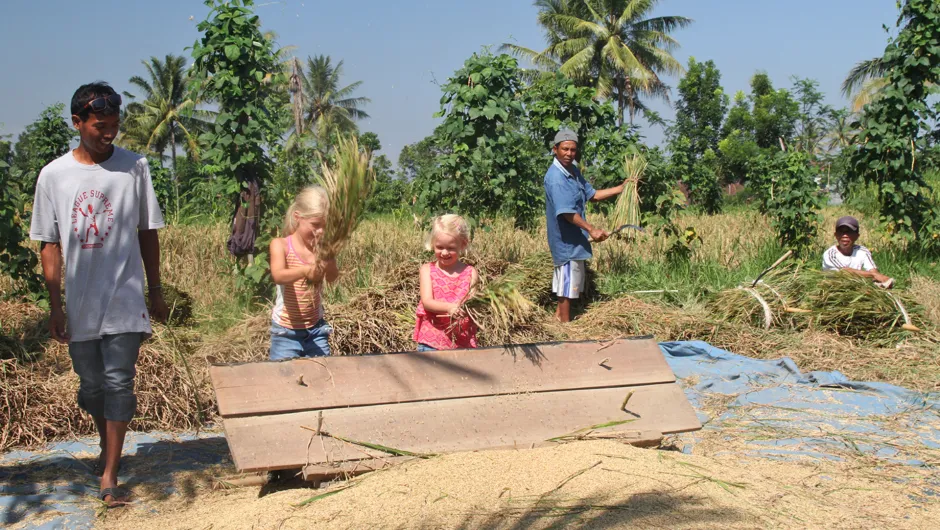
[[435, 330], [295, 307]]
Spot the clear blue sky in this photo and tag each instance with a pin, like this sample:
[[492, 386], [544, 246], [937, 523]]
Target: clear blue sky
[[399, 48]]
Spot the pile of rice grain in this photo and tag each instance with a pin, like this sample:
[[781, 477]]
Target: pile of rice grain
[[583, 484]]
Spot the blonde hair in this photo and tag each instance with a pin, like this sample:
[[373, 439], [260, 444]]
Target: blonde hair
[[312, 201], [452, 225]]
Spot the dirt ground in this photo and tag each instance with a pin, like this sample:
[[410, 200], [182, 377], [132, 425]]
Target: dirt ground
[[596, 484]]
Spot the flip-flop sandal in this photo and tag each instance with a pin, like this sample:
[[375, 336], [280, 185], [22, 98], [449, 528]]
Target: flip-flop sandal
[[119, 496]]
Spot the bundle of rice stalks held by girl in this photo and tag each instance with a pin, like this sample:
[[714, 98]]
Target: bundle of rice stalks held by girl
[[626, 210], [348, 182], [498, 308]]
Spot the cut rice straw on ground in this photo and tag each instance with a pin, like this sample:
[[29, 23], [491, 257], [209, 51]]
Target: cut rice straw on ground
[[851, 305], [799, 298]]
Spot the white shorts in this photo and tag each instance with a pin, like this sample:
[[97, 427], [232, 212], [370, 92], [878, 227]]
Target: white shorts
[[568, 280]]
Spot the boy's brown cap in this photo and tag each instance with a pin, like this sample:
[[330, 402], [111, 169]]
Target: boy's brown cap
[[849, 222]]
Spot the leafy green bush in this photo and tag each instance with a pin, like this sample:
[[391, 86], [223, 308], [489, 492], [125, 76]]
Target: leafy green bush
[[494, 144], [785, 184], [390, 191], [42, 142], [17, 261], [893, 127], [485, 160]]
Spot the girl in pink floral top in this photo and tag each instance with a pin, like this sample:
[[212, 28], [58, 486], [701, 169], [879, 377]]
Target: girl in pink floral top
[[441, 322]]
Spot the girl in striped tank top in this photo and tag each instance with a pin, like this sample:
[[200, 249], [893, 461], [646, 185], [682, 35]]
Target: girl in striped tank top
[[297, 325], [441, 322]]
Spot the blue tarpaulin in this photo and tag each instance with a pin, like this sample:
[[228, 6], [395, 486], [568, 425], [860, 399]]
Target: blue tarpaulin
[[780, 411], [769, 406]]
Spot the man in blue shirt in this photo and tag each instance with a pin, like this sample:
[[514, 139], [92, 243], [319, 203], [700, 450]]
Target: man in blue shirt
[[566, 194]]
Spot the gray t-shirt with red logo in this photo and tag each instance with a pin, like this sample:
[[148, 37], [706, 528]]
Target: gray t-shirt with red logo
[[95, 211]]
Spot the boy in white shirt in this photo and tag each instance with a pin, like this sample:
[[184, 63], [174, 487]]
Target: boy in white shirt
[[845, 255], [96, 213]]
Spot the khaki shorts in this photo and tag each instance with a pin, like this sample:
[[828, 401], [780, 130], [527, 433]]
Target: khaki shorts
[[568, 279]]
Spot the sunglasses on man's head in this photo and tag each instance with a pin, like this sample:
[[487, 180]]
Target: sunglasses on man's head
[[99, 104]]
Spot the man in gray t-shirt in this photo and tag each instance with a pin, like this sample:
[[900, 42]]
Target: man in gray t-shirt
[[95, 206]]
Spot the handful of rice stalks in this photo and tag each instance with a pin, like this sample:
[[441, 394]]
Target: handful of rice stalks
[[348, 182], [498, 307], [627, 208]]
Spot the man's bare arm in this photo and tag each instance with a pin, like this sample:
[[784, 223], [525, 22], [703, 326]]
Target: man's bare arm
[[600, 195], [50, 256], [150, 253], [873, 274], [596, 233]]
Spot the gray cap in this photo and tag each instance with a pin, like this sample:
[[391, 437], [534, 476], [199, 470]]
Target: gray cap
[[849, 222], [565, 135]]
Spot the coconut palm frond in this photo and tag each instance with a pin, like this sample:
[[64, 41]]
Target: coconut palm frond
[[604, 43], [327, 107], [168, 112], [860, 73], [868, 92]]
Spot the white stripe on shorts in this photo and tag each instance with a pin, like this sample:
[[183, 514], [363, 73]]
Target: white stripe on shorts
[[568, 279]]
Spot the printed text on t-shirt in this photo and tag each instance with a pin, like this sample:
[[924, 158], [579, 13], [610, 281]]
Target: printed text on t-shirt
[[92, 218]]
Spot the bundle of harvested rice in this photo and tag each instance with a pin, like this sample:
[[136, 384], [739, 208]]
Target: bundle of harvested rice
[[348, 182], [851, 305], [629, 316], [172, 388], [498, 307], [179, 303], [743, 304], [533, 277], [771, 301], [626, 210], [798, 298], [380, 319]]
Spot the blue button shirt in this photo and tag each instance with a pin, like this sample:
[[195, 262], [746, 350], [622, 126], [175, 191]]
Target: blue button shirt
[[566, 191]]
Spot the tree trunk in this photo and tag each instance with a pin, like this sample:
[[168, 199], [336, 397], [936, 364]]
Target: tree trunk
[[631, 107], [173, 148], [620, 102]]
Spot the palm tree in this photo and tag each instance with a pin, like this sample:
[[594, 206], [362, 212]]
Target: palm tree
[[863, 82], [167, 113], [867, 78], [840, 134], [610, 45], [326, 107]]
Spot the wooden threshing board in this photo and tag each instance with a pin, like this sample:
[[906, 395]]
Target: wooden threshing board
[[435, 402]]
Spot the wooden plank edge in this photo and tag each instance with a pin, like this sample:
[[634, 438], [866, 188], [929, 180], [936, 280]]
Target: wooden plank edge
[[468, 395], [231, 449], [354, 468], [239, 481], [508, 347], [690, 425]]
